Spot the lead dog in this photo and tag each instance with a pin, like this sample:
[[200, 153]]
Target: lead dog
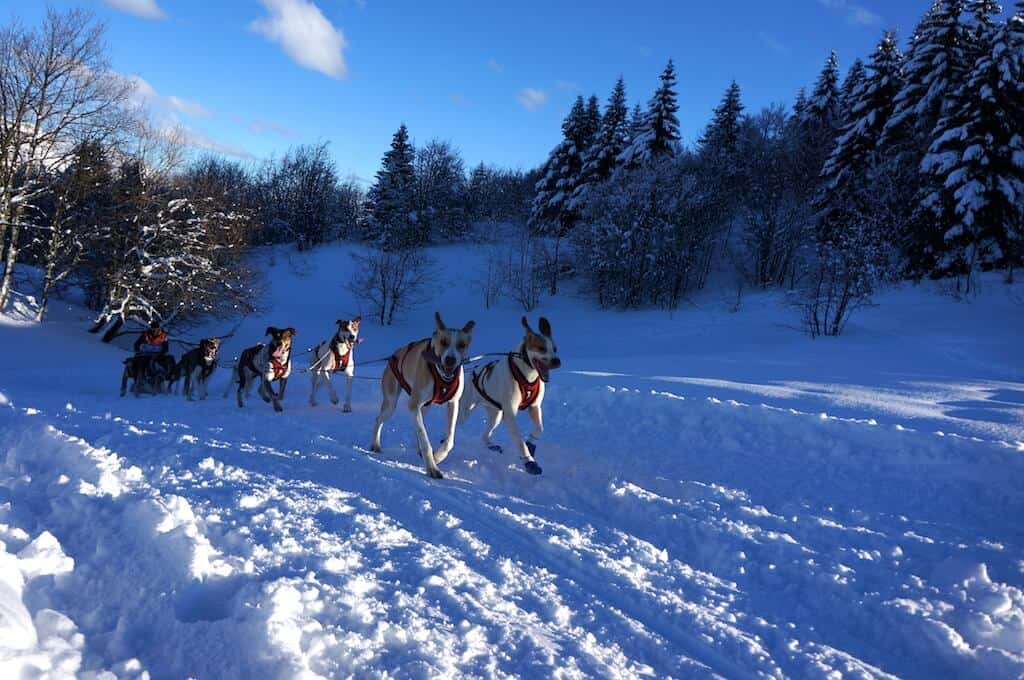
[[430, 372], [514, 384], [336, 355], [268, 364], [197, 365]]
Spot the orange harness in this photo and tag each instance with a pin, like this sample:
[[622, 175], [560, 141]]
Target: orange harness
[[340, 360], [528, 391], [444, 390]]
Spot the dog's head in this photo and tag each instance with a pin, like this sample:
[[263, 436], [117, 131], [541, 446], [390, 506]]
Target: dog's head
[[280, 340], [208, 348], [450, 345], [540, 348], [348, 329]]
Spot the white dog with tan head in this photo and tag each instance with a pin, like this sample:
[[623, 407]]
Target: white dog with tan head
[[430, 372], [516, 383]]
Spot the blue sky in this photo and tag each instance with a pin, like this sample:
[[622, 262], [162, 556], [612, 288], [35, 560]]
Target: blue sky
[[252, 77]]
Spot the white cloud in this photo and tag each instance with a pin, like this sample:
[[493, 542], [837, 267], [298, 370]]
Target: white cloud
[[532, 98], [305, 35], [147, 9], [493, 64], [145, 93], [773, 43], [855, 14]]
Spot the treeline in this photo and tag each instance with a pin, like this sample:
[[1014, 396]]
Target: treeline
[[911, 167], [93, 196]]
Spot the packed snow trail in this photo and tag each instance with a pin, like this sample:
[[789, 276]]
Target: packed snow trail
[[672, 534]]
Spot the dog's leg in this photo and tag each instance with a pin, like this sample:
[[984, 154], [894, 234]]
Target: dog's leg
[[244, 385], [333, 393], [493, 420], [202, 384], [423, 440], [314, 377], [449, 440], [389, 400], [537, 416], [124, 380], [528, 462], [188, 383], [347, 406], [280, 392], [275, 397]]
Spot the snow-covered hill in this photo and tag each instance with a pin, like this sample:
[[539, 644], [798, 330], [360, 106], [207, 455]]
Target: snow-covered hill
[[721, 496]]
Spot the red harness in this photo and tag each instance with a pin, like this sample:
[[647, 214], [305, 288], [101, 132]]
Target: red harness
[[280, 368], [528, 391], [444, 390], [340, 360]]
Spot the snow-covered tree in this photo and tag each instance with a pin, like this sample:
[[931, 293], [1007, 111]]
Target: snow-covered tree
[[553, 211], [440, 192], [611, 138], [721, 137], [824, 107], [977, 158], [851, 87], [391, 199], [660, 132]]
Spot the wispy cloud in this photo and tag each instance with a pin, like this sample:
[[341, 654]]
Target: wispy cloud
[[532, 98], [305, 34], [147, 9], [144, 93], [493, 64], [773, 43], [200, 140], [457, 98], [855, 14], [568, 86]]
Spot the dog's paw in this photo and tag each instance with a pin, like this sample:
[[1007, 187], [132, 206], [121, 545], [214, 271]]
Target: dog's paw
[[347, 408], [278, 407], [375, 448], [335, 400], [532, 467], [435, 474], [264, 398], [496, 448]]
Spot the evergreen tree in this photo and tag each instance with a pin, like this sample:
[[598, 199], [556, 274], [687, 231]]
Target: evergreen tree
[[851, 88], [823, 106], [636, 122], [553, 211], [392, 196], [660, 131], [591, 121], [721, 137], [612, 137], [976, 158]]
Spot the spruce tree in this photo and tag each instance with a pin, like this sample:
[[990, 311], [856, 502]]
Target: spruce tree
[[721, 137], [392, 196], [611, 138], [660, 131], [591, 121], [976, 159], [855, 78], [823, 106]]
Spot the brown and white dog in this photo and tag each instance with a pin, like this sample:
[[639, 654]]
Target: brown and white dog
[[516, 383], [266, 364], [198, 364], [336, 355], [430, 372]]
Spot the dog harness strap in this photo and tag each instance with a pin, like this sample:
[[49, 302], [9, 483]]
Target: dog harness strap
[[340, 360], [478, 383], [528, 391], [444, 391], [396, 368]]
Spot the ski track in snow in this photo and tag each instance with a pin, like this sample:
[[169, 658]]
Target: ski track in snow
[[751, 542], [681, 528]]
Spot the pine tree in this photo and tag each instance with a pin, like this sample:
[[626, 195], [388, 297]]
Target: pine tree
[[721, 137], [591, 121], [392, 195], [976, 158], [612, 137], [851, 87], [823, 106], [934, 67], [553, 211], [660, 131]]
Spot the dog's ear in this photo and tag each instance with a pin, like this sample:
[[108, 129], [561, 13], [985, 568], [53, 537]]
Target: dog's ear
[[340, 322], [545, 327], [271, 330], [357, 319], [468, 328], [437, 320], [526, 325], [292, 331]]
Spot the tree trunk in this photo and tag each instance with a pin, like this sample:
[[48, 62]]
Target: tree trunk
[[554, 268], [9, 262]]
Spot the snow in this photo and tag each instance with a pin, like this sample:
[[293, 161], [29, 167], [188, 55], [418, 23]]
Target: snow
[[721, 497]]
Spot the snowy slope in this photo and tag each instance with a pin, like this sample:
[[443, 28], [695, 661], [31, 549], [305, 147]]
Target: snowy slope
[[721, 497]]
